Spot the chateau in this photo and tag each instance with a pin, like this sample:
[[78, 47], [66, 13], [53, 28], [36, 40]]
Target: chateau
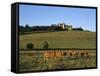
[[64, 26]]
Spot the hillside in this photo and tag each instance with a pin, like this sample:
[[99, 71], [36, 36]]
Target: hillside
[[61, 39]]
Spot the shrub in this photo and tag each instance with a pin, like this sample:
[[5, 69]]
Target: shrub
[[45, 45], [30, 46]]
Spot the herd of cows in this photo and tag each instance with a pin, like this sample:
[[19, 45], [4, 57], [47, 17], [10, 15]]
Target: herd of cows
[[56, 59], [58, 54]]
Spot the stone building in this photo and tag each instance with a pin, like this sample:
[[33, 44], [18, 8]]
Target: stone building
[[64, 26]]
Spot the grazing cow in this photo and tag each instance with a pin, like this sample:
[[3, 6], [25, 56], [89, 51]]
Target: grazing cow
[[52, 54], [84, 54], [48, 54], [73, 53], [64, 53], [58, 54]]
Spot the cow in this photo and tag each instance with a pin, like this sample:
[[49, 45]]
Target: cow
[[52, 54], [58, 54], [48, 54], [73, 53], [84, 54], [64, 54]]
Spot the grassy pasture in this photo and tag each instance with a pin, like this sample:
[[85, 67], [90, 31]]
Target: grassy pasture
[[61, 39], [36, 62]]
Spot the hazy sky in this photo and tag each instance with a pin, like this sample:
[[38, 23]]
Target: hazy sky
[[47, 15]]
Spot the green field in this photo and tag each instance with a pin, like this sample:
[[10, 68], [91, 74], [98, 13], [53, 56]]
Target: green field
[[61, 39]]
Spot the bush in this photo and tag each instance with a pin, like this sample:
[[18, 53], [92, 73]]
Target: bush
[[30, 46], [45, 45]]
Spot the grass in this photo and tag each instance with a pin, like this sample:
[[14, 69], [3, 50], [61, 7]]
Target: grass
[[61, 39], [37, 63]]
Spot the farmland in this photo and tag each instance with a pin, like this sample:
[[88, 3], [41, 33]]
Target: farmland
[[34, 61], [61, 39]]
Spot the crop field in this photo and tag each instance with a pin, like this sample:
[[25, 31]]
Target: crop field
[[36, 61], [60, 39]]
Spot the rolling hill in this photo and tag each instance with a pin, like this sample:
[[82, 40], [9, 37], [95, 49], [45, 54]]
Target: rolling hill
[[61, 39]]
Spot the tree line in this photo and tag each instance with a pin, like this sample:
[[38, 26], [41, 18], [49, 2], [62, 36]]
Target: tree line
[[28, 28]]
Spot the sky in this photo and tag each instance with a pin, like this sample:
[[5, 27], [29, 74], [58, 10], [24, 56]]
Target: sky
[[46, 15]]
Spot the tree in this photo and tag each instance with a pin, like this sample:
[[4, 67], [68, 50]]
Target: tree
[[45, 45], [26, 26], [30, 46]]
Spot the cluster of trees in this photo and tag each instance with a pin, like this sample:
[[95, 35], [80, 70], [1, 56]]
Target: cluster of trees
[[78, 29], [30, 46], [28, 28]]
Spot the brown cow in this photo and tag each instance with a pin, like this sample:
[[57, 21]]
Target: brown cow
[[58, 54], [64, 54], [73, 53], [52, 54], [48, 54], [84, 54]]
